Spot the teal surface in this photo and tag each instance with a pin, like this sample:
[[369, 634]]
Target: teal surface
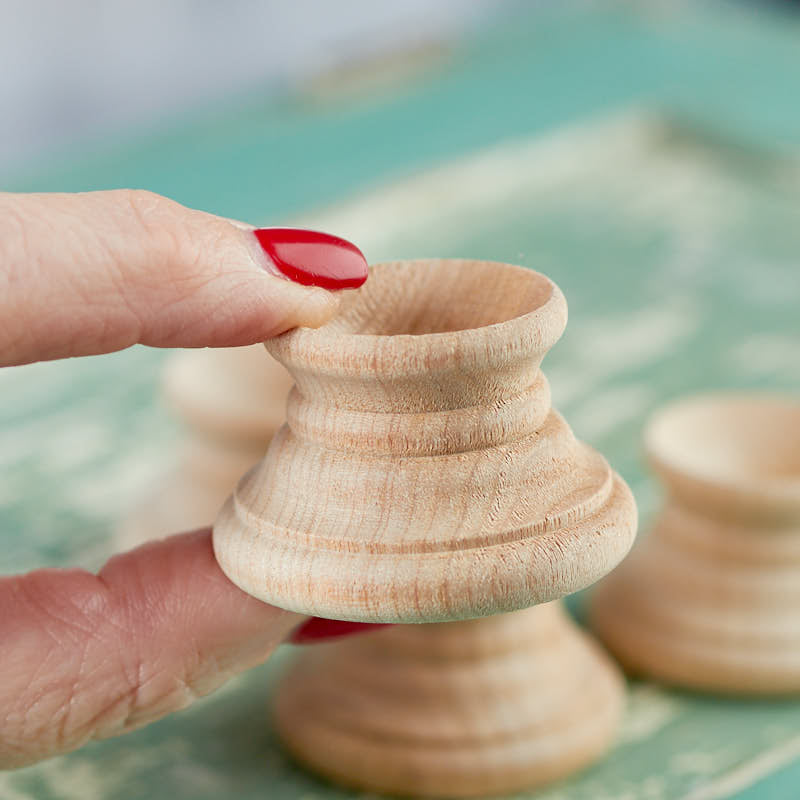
[[673, 235], [262, 159]]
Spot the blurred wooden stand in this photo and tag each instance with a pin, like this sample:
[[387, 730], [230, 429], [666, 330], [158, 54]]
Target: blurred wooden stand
[[711, 598], [230, 401]]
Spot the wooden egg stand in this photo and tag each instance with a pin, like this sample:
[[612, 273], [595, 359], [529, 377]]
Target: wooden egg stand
[[424, 477], [711, 598], [459, 709], [231, 401]]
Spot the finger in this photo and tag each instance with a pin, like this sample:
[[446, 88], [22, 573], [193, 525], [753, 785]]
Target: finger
[[96, 272], [89, 656]]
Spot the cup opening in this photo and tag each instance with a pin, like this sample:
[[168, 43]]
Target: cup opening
[[751, 442], [418, 298]]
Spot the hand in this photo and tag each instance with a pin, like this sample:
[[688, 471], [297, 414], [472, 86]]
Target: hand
[[89, 656]]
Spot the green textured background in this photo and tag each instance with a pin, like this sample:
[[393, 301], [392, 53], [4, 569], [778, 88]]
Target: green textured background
[[646, 160]]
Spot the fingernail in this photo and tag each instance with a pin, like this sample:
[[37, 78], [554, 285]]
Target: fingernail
[[313, 258], [318, 629]]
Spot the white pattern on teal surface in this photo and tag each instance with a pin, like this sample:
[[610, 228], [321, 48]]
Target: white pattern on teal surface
[[655, 232]]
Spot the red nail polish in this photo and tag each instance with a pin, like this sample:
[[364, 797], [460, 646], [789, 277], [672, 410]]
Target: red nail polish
[[313, 258], [318, 629]]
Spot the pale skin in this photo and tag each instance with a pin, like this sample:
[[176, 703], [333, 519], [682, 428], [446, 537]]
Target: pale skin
[[86, 656]]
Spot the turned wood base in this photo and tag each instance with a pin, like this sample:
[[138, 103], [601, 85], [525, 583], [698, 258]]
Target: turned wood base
[[461, 709]]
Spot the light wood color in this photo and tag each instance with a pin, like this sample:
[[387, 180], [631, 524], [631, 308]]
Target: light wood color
[[462, 709], [231, 401], [711, 598], [423, 475]]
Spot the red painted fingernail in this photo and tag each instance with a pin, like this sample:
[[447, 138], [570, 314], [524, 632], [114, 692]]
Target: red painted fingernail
[[318, 629], [313, 258]]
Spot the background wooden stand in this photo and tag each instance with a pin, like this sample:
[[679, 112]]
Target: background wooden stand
[[231, 402], [711, 598]]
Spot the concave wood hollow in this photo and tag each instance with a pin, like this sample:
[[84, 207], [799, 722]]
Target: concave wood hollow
[[422, 475], [711, 598]]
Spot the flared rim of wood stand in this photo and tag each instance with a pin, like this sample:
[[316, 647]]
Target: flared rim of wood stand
[[422, 475], [457, 309], [737, 452]]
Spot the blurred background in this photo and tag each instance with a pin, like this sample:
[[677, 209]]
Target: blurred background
[[287, 105], [75, 74], [645, 155]]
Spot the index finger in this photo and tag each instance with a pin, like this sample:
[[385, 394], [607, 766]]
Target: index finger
[[99, 271]]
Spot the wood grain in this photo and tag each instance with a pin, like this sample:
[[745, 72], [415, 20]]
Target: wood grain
[[422, 475]]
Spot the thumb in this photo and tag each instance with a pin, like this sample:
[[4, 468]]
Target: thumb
[[90, 656], [95, 272]]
